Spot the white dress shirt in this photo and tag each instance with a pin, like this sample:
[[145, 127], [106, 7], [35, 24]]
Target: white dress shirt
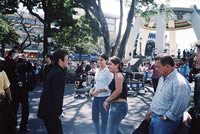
[[103, 79]]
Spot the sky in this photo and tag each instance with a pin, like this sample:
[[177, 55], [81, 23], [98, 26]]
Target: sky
[[183, 37]]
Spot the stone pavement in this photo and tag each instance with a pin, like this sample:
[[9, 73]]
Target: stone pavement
[[77, 112]]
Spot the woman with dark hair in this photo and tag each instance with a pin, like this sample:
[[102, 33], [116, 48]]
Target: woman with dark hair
[[100, 93], [118, 97]]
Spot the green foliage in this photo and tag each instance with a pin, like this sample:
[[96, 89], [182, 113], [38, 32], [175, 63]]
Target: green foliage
[[8, 6], [37, 37], [59, 12], [81, 35], [8, 34], [146, 8]]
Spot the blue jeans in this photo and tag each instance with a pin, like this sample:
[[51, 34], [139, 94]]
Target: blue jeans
[[118, 111], [158, 126], [97, 110]]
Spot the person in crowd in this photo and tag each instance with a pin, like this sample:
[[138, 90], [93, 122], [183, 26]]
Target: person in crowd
[[24, 70], [184, 68], [155, 76], [145, 70], [100, 93], [5, 98], [87, 68], [129, 74], [195, 129], [46, 68], [179, 54], [9, 66], [141, 68], [93, 69], [118, 98], [170, 100], [51, 99], [80, 70], [184, 53]]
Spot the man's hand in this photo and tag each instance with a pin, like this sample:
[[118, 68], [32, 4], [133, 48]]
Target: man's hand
[[148, 115], [186, 119]]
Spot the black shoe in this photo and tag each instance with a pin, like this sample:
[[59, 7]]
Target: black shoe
[[24, 129]]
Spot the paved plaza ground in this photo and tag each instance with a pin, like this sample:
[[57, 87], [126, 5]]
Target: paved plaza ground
[[77, 112]]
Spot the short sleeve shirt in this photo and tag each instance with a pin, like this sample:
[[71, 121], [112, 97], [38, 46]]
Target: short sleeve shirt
[[4, 82]]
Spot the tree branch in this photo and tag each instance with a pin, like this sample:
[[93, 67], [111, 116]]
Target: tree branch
[[26, 3], [114, 48], [128, 29]]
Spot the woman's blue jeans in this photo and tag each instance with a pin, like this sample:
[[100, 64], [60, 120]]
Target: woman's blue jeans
[[118, 111], [158, 126], [97, 110]]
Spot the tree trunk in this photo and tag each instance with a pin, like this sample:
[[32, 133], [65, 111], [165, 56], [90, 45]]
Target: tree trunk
[[45, 42], [127, 31], [47, 27], [94, 7], [106, 39], [114, 48]]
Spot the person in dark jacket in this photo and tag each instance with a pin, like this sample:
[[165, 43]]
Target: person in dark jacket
[[46, 68], [51, 100], [24, 70], [9, 66], [189, 118]]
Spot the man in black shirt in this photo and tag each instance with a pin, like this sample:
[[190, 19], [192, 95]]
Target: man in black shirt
[[24, 69], [51, 100]]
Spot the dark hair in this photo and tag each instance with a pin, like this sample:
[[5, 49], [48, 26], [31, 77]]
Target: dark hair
[[104, 56], [183, 59], [116, 60], [167, 60], [59, 54], [11, 52], [198, 45], [157, 58], [49, 56]]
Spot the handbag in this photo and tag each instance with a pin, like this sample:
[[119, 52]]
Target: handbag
[[143, 128]]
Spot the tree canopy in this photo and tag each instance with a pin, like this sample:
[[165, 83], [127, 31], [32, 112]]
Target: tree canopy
[[81, 34], [8, 34]]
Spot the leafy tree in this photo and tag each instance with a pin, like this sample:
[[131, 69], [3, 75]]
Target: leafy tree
[[26, 28], [8, 6], [38, 38], [57, 12], [8, 34], [93, 8], [81, 35]]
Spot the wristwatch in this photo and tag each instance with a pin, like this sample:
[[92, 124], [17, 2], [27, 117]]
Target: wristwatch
[[164, 117]]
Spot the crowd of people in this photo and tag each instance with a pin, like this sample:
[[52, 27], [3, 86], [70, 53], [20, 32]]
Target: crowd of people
[[169, 106]]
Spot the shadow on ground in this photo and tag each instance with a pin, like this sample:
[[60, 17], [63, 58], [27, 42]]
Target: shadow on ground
[[77, 112]]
